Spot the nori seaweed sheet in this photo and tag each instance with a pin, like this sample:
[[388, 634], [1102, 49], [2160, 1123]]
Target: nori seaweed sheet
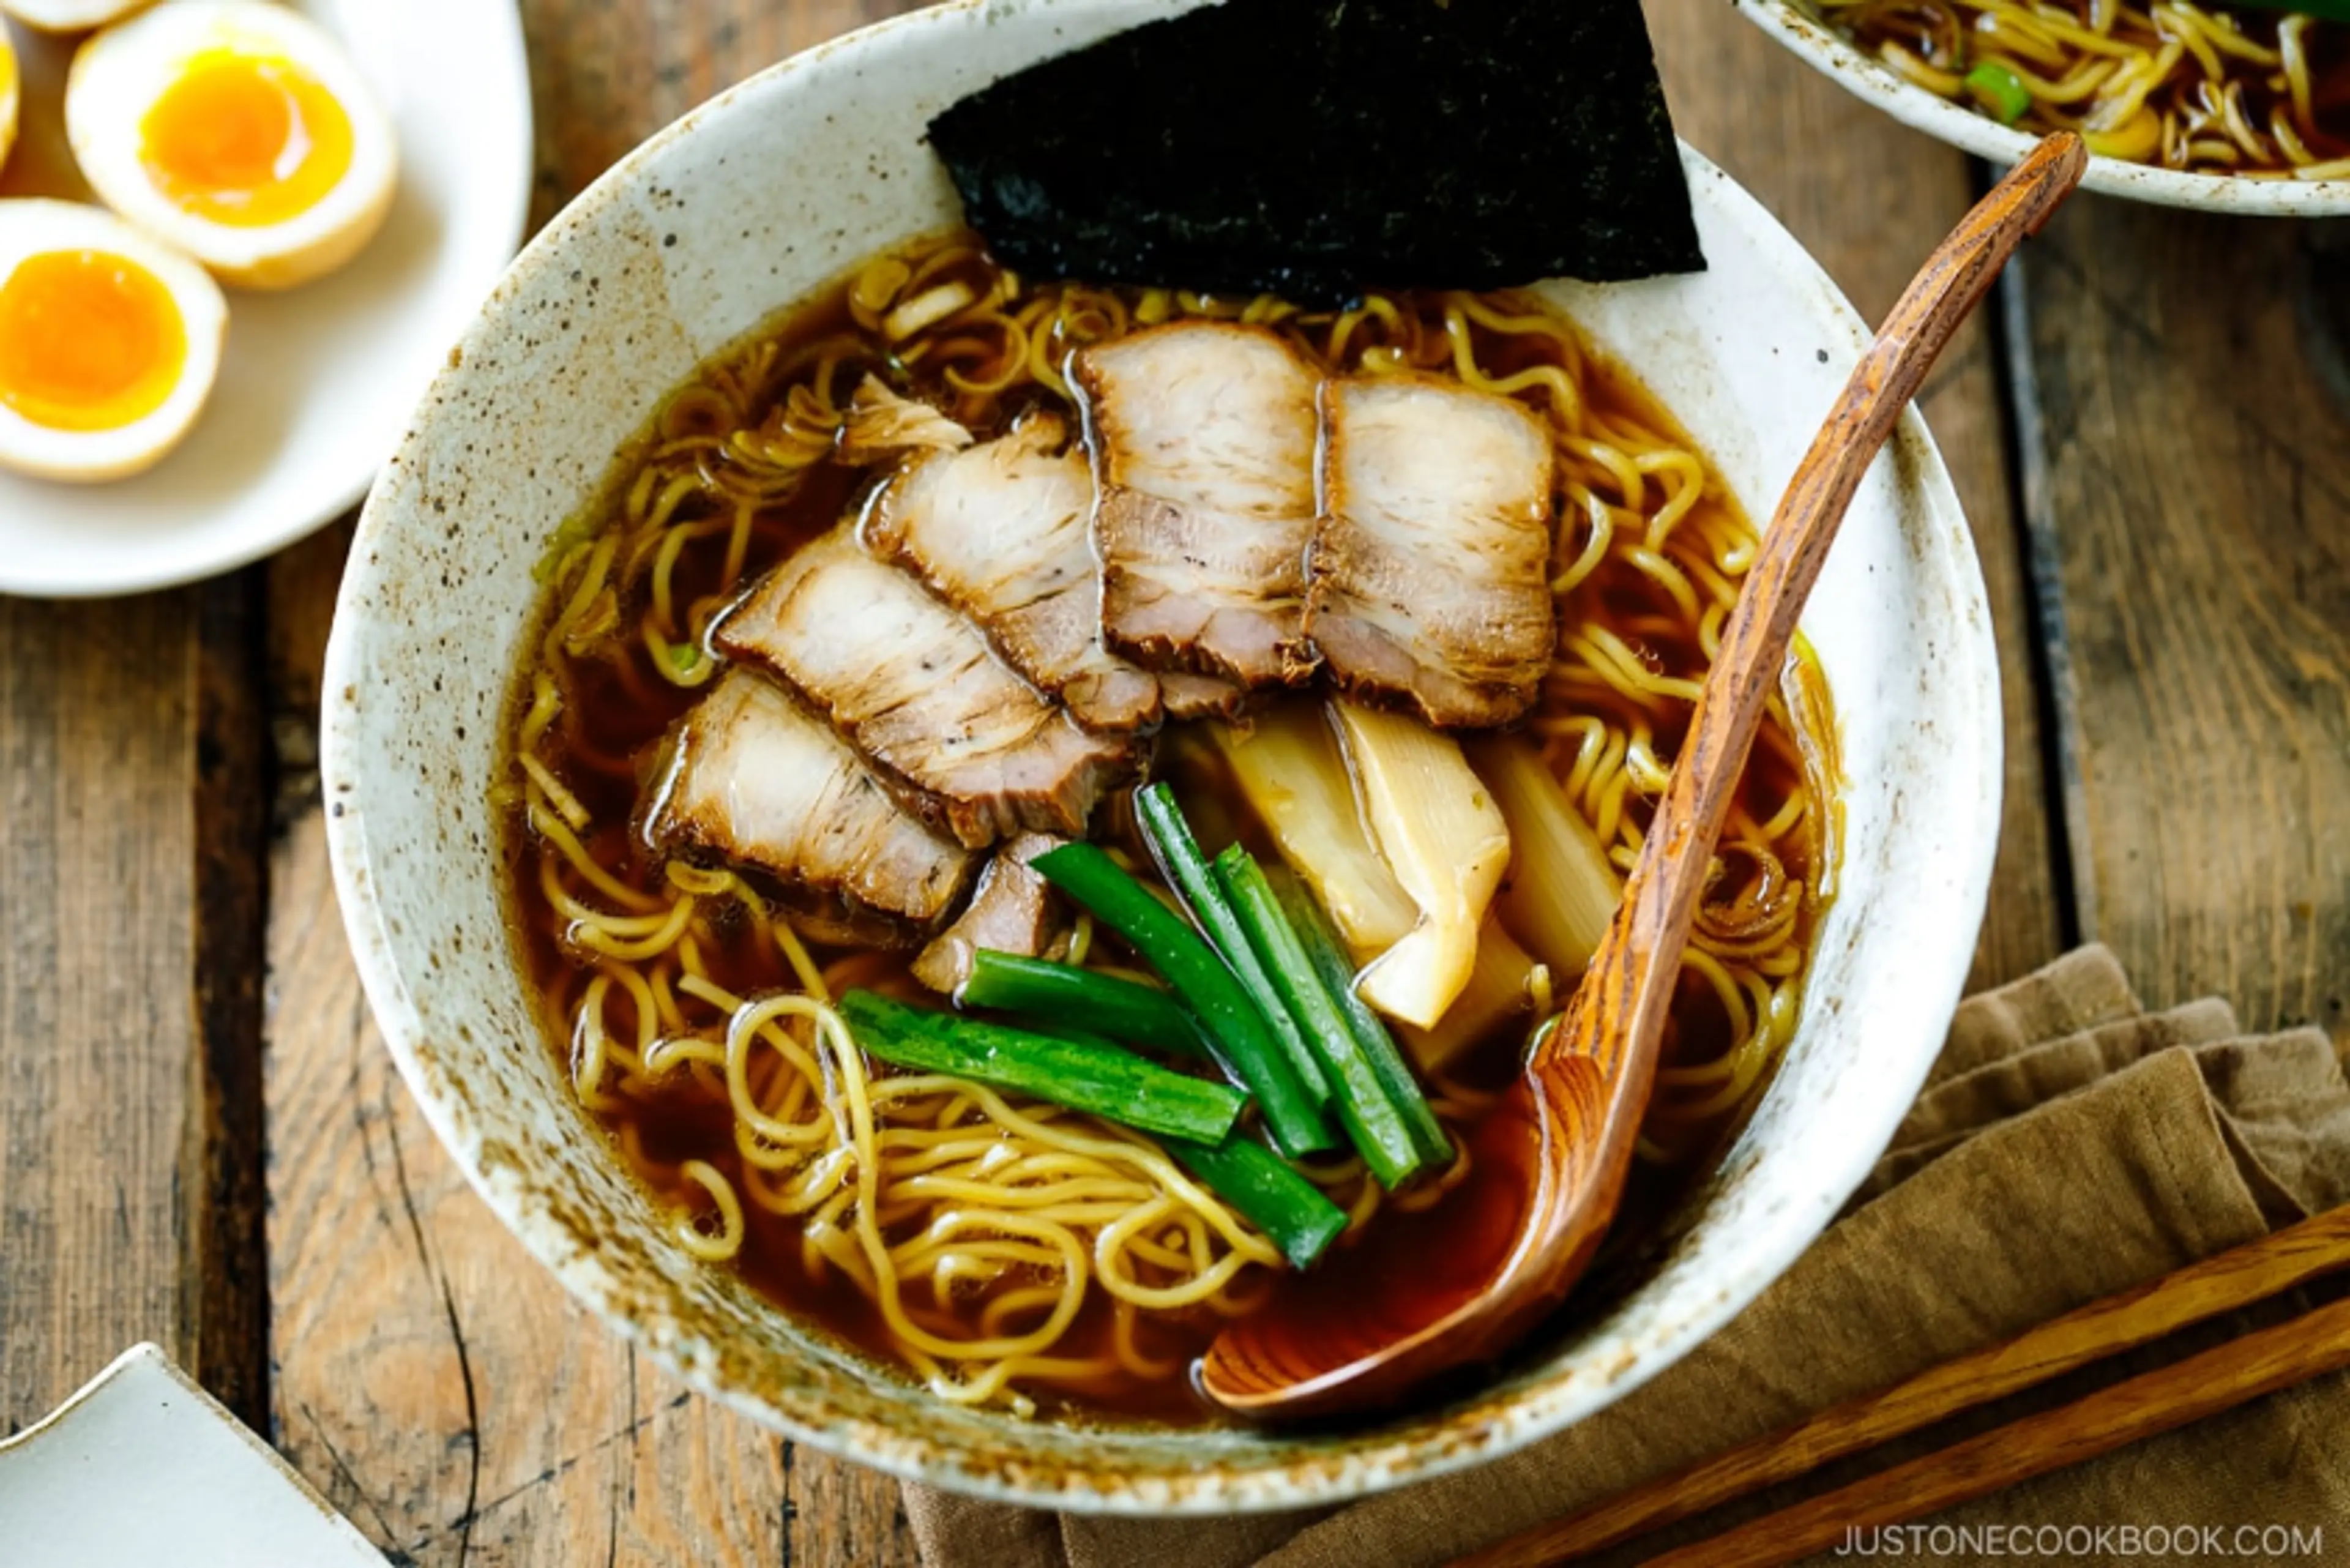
[[1310, 147]]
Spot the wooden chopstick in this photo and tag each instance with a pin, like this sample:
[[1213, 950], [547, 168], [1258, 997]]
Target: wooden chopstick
[[2142, 1406], [2176, 1395]]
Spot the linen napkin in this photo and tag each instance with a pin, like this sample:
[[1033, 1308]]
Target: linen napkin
[[2068, 1145]]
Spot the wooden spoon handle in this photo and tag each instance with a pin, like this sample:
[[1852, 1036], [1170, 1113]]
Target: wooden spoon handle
[[1622, 1014]]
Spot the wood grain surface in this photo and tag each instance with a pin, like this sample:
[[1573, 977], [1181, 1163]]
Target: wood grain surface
[[2153, 451], [2186, 454], [99, 1052]]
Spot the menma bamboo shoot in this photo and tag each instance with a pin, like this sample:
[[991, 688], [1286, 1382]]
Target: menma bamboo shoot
[[1445, 840], [1288, 764], [1561, 890], [1500, 988]]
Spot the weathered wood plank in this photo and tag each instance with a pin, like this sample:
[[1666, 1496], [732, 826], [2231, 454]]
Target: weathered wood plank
[[101, 1081], [1870, 198], [431, 1379], [2187, 451], [224, 1276]]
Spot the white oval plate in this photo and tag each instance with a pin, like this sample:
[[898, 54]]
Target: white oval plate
[[317, 383], [141, 1467]]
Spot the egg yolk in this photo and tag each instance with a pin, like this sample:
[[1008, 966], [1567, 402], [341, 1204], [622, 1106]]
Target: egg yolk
[[246, 141], [88, 341]]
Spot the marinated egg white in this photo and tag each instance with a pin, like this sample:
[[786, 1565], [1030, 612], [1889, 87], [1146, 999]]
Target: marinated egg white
[[238, 132], [69, 15], [109, 343]]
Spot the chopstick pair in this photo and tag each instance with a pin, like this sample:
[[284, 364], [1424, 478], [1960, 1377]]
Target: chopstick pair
[[2186, 1391]]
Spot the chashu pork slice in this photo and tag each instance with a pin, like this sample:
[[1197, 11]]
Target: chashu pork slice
[[1003, 533], [1203, 438], [752, 777], [1014, 910], [967, 744], [1431, 562], [1184, 695]]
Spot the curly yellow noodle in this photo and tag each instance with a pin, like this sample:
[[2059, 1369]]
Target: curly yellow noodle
[[728, 1241], [591, 1049], [642, 1005], [599, 938], [566, 806], [804, 967], [1660, 570], [1601, 528]]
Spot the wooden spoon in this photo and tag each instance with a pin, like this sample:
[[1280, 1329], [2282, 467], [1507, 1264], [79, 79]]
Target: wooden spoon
[[1459, 1281]]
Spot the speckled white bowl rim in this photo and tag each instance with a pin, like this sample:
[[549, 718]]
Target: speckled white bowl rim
[[748, 203], [1860, 74]]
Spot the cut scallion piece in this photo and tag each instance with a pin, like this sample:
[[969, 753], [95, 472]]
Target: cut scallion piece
[[1186, 871], [1237, 1031], [1101, 1003], [1329, 956], [1999, 90], [1373, 1122], [1101, 1080], [1264, 1189]]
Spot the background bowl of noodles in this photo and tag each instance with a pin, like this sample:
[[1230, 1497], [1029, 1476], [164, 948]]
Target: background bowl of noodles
[[1848, 40], [754, 202]]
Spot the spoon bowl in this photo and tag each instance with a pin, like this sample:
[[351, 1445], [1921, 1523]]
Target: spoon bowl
[[1451, 1284]]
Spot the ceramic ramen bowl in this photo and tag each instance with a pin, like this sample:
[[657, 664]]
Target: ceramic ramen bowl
[[1857, 72], [749, 203]]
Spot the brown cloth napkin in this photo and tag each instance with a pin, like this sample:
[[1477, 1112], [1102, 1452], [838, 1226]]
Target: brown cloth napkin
[[2068, 1146]]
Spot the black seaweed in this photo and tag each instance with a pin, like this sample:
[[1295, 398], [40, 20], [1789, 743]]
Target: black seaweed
[[1309, 148]]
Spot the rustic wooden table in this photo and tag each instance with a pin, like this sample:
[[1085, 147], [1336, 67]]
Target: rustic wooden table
[[203, 1143]]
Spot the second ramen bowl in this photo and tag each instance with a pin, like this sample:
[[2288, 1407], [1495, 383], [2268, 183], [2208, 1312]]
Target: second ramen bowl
[[1800, 28]]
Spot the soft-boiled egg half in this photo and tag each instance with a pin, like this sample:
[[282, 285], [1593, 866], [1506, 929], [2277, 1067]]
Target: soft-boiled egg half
[[109, 342], [69, 15], [237, 132], [8, 95]]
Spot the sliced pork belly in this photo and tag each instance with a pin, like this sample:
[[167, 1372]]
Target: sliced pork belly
[[752, 777], [1203, 438], [914, 686], [1187, 696], [1430, 564], [1015, 911], [1003, 533]]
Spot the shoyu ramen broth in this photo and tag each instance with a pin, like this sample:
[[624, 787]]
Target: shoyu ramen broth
[[716, 645], [2173, 83]]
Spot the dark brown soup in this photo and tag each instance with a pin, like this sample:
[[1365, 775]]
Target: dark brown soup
[[998, 1249]]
